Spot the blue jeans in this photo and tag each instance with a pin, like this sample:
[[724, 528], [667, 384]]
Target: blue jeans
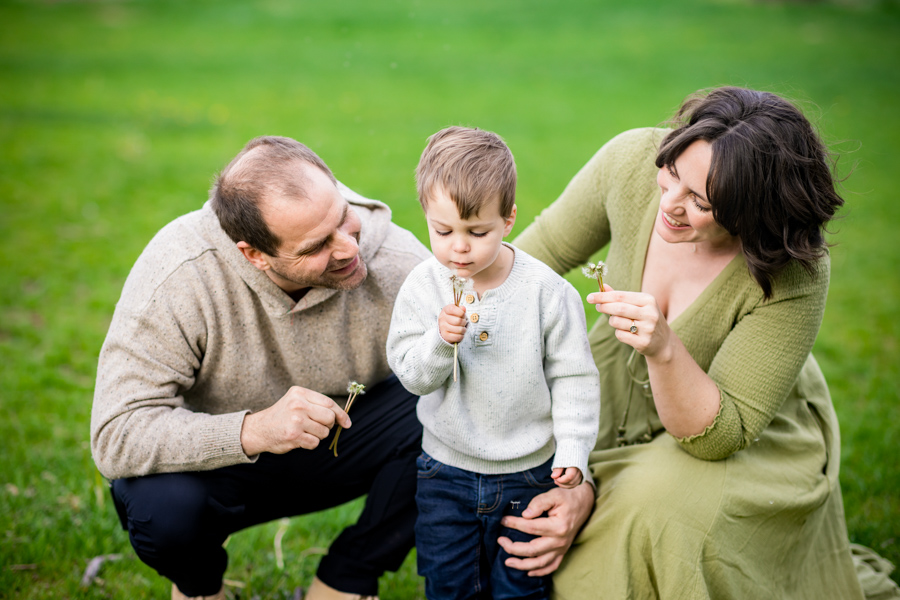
[[458, 527]]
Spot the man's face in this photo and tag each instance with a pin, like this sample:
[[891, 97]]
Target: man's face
[[319, 238]]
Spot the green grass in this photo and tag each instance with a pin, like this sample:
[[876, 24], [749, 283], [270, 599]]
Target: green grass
[[114, 116]]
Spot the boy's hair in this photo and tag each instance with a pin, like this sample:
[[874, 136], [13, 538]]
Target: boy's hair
[[472, 166]]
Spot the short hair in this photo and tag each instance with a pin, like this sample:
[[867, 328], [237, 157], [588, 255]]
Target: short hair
[[272, 169], [770, 181], [472, 166]]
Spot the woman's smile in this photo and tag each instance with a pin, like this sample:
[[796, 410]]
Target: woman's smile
[[673, 223]]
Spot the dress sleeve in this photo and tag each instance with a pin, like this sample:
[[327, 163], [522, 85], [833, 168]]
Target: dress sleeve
[[759, 361], [577, 224]]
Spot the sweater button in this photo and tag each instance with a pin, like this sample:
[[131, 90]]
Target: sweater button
[[483, 337], [470, 299], [474, 317]]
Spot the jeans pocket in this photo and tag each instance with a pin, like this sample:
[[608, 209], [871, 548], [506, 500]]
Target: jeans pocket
[[427, 467], [539, 477]]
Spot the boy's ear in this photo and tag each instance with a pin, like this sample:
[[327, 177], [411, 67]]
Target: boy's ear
[[510, 221]]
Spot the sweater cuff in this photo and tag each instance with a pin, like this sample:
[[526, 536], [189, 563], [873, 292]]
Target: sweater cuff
[[720, 439], [572, 454], [220, 442]]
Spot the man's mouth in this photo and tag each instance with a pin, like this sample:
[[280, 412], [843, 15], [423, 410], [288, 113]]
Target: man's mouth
[[348, 268]]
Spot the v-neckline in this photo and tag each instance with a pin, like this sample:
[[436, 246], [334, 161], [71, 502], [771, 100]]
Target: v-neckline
[[646, 231]]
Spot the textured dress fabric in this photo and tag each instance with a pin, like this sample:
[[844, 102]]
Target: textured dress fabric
[[749, 508]]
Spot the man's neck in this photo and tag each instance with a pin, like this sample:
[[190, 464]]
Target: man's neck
[[297, 295]]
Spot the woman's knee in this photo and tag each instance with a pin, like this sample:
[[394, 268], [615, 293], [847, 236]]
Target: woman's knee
[[662, 486]]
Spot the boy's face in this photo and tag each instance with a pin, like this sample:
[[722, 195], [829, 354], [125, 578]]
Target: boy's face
[[468, 247]]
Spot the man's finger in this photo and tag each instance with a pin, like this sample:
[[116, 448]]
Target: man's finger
[[540, 504], [339, 416]]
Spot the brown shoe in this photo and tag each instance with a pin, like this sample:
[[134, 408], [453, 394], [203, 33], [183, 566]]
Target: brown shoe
[[177, 595], [319, 590]]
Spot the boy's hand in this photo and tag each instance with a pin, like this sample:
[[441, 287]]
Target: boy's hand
[[452, 323], [567, 478]]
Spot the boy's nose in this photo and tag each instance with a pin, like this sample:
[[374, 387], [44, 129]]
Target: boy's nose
[[460, 245]]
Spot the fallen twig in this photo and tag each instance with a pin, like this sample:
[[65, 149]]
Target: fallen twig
[[93, 568]]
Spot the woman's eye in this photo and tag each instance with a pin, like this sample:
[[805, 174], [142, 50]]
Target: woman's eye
[[699, 206]]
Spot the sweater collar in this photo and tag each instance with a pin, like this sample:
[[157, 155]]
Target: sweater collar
[[374, 216], [506, 289]]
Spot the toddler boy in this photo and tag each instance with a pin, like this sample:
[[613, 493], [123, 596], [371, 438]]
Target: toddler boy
[[522, 412]]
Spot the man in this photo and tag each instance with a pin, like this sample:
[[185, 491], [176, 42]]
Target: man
[[238, 327]]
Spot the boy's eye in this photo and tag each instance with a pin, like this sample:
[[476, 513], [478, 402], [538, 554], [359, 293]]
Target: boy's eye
[[479, 234], [442, 233]]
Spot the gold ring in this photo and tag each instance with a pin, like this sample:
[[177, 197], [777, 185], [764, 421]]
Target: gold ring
[[633, 328]]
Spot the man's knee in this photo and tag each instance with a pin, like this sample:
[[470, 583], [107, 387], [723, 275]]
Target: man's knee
[[163, 512]]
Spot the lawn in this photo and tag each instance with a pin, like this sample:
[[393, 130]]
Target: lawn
[[115, 116]]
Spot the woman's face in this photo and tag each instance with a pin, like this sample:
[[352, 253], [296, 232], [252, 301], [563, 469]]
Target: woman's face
[[685, 213]]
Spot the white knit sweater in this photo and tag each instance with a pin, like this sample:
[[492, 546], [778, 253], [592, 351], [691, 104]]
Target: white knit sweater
[[527, 387]]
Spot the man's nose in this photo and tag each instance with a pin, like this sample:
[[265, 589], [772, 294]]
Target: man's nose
[[345, 245]]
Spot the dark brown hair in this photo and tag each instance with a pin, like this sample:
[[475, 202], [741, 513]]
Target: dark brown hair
[[769, 181], [273, 169], [472, 166]]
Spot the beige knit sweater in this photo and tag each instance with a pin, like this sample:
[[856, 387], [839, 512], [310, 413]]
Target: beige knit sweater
[[200, 337]]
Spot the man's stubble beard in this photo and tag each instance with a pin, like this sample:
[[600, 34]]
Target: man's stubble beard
[[345, 284]]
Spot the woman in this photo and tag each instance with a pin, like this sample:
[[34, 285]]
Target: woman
[[719, 225]]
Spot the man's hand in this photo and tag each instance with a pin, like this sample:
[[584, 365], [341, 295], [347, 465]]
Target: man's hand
[[300, 419], [567, 510]]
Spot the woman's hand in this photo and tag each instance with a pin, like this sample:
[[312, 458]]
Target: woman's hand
[[637, 320], [567, 510], [687, 400]]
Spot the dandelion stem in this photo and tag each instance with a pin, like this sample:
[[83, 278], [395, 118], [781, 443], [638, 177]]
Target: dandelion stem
[[354, 389]]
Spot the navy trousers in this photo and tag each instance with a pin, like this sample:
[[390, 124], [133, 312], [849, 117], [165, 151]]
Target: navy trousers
[[177, 522]]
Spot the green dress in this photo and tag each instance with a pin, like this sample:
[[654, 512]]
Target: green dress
[[749, 508]]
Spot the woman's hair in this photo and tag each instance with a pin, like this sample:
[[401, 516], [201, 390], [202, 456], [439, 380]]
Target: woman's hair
[[769, 181]]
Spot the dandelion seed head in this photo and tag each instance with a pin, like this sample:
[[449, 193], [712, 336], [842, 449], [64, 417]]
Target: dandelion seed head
[[593, 270], [459, 283], [356, 388]]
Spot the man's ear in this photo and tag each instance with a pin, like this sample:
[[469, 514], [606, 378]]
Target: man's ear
[[510, 221], [253, 256]]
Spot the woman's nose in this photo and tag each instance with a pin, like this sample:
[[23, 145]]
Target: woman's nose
[[670, 201]]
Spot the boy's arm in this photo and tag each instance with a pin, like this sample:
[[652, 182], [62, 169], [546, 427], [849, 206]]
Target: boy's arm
[[417, 354], [573, 381]]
